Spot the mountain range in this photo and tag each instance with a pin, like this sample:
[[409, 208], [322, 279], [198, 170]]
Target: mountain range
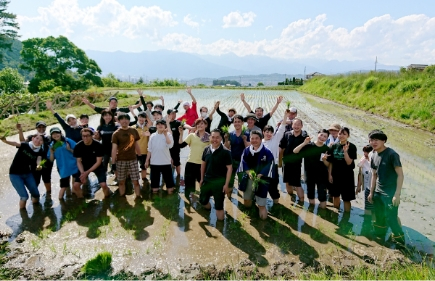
[[189, 67]]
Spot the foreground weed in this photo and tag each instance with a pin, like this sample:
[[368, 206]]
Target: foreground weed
[[98, 265]]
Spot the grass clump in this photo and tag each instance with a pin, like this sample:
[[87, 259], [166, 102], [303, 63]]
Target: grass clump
[[99, 265], [405, 96]]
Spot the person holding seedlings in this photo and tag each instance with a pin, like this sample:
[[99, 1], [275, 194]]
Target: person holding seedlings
[[125, 146], [262, 119], [257, 165], [62, 149], [89, 156], [292, 161], [341, 157], [251, 119], [226, 120], [236, 141], [144, 134], [26, 161], [197, 142], [333, 134], [159, 157], [364, 178], [271, 141], [216, 170], [70, 125], [113, 106], [191, 115], [105, 130], [386, 187], [316, 171]]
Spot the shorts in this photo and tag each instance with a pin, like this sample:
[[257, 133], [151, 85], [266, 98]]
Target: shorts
[[343, 185], [274, 182], [367, 204], [249, 195], [100, 173], [175, 156], [65, 182], [315, 179], [25, 182], [165, 171], [125, 168], [214, 189], [192, 174], [142, 159], [292, 174], [45, 173]]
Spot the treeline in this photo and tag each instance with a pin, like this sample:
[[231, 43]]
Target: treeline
[[111, 81], [225, 82], [406, 96], [294, 81]]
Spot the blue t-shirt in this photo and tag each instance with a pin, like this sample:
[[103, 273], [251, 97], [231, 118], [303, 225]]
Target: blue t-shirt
[[237, 145], [66, 162]]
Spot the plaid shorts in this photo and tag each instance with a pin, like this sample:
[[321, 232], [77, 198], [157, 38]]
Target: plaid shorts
[[125, 168]]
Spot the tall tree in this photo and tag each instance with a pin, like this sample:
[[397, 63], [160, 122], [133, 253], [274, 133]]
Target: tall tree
[[8, 27], [58, 59], [10, 81]]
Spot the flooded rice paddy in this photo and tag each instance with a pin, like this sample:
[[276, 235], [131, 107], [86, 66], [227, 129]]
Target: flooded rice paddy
[[164, 234]]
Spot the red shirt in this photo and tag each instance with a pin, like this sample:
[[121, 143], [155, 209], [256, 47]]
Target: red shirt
[[191, 115]]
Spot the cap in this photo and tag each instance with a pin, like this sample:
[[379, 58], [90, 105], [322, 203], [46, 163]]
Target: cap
[[163, 122], [156, 111], [70, 116], [293, 110], [142, 114], [335, 127], [158, 106], [84, 116], [186, 103], [55, 130], [251, 115], [171, 110], [40, 123], [113, 98]]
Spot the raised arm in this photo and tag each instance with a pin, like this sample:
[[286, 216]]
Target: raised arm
[[88, 103], [189, 91], [242, 97], [20, 133], [163, 101], [213, 110], [278, 101], [13, 143], [299, 147]]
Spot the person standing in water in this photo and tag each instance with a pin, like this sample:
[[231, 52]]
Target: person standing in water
[[386, 187]]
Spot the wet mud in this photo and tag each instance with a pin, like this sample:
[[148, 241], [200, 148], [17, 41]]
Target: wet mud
[[164, 236]]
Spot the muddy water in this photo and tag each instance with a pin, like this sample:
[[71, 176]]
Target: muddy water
[[165, 233]]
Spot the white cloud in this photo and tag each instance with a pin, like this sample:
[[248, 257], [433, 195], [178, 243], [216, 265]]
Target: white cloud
[[107, 18], [188, 20], [236, 19], [268, 27], [391, 40]]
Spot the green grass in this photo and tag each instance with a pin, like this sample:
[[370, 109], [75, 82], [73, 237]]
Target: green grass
[[407, 96], [99, 265]]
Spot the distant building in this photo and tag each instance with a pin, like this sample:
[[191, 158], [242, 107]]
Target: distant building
[[229, 85], [311, 75], [418, 67]]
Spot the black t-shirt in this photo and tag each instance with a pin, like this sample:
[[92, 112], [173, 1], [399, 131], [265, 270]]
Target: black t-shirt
[[106, 132], [216, 162], [313, 163], [336, 157], [89, 153], [175, 133], [207, 129], [290, 142], [385, 164], [25, 160], [262, 122]]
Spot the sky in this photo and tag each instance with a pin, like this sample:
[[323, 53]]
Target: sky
[[396, 32]]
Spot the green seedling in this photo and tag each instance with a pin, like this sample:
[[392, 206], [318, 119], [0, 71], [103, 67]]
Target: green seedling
[[7, 134], [183, 122], [288, 104], [57, 145], [244, 129], [42, 163], [225, 129], [256, 181]]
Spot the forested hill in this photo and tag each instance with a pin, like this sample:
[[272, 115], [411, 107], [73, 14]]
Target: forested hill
[[12, 59], [406, 96]]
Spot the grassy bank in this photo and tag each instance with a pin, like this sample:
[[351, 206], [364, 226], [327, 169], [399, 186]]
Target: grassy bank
[[28, 121], [408, 97]]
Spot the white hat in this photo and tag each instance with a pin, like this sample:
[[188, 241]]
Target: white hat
[[69, 116], [186, 103], [293, 110]]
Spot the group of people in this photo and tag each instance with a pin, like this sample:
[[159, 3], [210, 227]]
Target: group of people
[[252, 153]]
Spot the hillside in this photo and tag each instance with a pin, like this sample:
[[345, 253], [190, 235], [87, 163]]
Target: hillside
[[11, 58], [408, 97]]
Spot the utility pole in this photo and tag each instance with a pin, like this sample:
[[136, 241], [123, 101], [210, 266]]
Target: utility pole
[[240, 81], [285, 79], [376, 62], [305, 69]]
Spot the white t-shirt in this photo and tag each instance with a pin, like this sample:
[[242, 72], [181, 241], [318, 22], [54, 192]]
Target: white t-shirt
[[366, 171], [159, 149]]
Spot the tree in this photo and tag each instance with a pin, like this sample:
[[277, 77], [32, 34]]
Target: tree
[[110, 80], [8, 27], [259, 84], [58, 59], [10, 81], [140, 81]]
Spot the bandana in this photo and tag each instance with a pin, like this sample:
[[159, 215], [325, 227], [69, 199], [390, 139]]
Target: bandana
[[251, 149], [138, 125], [205, 137], [33, 147]]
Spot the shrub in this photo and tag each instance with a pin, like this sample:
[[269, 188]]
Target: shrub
[[370, 82], [98, 265], [408, 86]]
